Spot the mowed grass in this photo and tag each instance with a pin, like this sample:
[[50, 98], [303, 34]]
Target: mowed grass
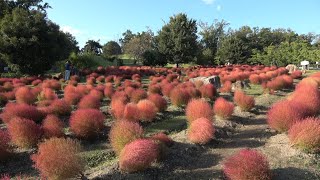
[[169, 125], [255, 90]]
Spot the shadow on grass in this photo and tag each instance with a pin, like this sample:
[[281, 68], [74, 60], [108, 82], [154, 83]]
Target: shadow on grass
[[294, 174]]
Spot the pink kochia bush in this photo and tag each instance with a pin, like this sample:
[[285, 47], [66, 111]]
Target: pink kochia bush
[[208, 91], [305, 135], [59, 158], [123, 132], [12, 110], [52, 127], [245, 102], [89, 101], [283, 114], [163, 138], [87, 123], [179, 96], [159, 101], [138, 155], [4, 144], [247, 164], [25, 95], [201, 131], [24, 133], [223, 108], [198, 108], [131, 112], [147, 110]]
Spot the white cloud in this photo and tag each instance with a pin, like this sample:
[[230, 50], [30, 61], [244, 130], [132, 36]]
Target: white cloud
[[71, 30], [208, 1], [219, 8]]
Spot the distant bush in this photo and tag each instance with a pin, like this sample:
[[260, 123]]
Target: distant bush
[[137, 95], [201, 131], [25, 95], [58, 158], [52, 127], [87, 123], [123, 132], [223, 108], [245, 102], [89, 101], [12, 110], [131, 112], [24, 133], [305, 135], [247, 164], [147, 110], [198, 108], [138, 155], [208, 91], [159, 101]]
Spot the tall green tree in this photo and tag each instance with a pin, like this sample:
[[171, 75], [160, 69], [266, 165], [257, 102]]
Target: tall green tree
[[111, 49], [177, 40], [29, 42], [92, 47], [126, 37], [211, 36]]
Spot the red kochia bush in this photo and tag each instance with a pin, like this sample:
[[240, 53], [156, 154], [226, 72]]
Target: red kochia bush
[[72, 98], [131, 112], [208, 91], [147, 109], [117, 108], [123, 132], [254, 79], [52, 126], [138, 155], [25, 95], [137, 95], [245, 102], [309, 98], [198, 108], [223, 108], [159, 101], [89, 101], [305, 135], [24, 133], [226, 88], [201, 131], [59, 158], [87, 123], [12, 110], [179, 96], [108, 90], [4, 145], [60, 107], [247, 164], [283, 114], [163, 138]]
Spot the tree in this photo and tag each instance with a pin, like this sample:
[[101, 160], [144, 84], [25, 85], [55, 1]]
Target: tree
[[211, 36], [31, 43], [92, 47], [138, 45], [177, 40], [153, 58], [127, 36], [111, 49]]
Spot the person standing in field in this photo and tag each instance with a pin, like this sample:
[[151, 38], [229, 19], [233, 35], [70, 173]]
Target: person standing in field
[[67, 71]]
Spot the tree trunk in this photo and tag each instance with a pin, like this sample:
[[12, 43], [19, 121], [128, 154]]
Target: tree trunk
[[177, 65]]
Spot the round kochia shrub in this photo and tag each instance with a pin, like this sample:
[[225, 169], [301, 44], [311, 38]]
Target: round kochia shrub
[[245, 102], [163, 138], [138, 155], [247, 164], [159, 101], [12, 110], [283, 114], [87, 123], [223, 108], [147, 109], [305, 135], [201, 131], [198, 108], [4, 145], [24, 133], [25, 95], [179, 96], [123, 132], [52, 126], [89, 101], [59, 158], [208, 91], [60, 107]]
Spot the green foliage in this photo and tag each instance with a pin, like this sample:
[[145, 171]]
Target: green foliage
[[111, 50], [153, 58], [177, 40], [92, 47], [29, 42]]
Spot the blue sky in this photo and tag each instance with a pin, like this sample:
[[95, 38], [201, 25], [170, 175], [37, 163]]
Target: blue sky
[[108, 19]]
